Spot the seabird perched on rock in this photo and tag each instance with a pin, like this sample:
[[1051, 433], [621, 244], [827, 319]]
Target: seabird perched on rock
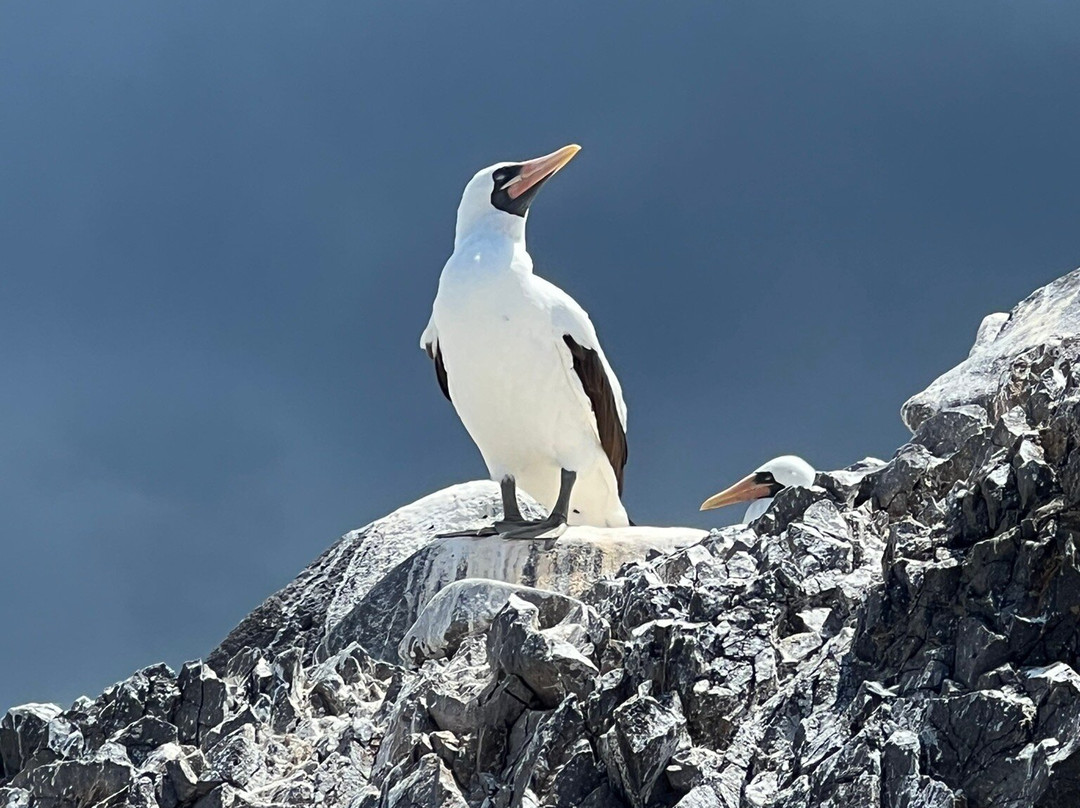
[[520, 361], [763, 485]]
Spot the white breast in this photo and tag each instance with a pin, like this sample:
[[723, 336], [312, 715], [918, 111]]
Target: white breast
[[508, 379], [756, 509], [512, 383]]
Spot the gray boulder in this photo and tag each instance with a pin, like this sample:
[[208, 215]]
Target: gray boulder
[[644, 734], [468, 607], [1048, 319], [24, 731], [552, 661]]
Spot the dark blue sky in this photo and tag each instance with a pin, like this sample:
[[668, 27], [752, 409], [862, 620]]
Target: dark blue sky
[[221, 228]]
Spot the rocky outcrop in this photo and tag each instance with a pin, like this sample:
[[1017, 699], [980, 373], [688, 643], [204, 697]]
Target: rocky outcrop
[[570, 565], [468, 607], [1047, 320], [904, 633], [299, 616]]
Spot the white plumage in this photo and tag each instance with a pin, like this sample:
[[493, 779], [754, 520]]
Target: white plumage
[[500, 333]]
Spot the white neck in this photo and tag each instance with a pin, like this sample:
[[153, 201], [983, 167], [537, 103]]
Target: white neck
[[492, 224], [757, 507], [490, 248]]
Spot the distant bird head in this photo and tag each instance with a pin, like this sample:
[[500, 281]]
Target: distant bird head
[[500, 195], [767, 481]]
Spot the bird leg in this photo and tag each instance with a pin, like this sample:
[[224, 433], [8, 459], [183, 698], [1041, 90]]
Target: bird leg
[[535, 528], [508, 486], [511, 514], [513, 525]]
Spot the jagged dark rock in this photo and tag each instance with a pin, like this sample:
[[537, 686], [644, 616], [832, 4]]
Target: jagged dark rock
[[903, 634], [553, 662], [1047, 321], [643, 736], [469, 606], [25, 731]]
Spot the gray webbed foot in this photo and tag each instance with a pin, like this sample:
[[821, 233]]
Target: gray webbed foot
[[513, 525], [537, 528], [531, 528], [469, 534]]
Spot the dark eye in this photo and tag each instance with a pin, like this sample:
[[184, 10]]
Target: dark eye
[[500, 176]]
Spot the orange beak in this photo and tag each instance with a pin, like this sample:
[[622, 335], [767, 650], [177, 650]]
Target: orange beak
[[541, 168], [743, 491]]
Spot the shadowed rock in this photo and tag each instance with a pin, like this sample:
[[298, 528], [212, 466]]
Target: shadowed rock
[[23, 732], [643, 736], [552, 661]]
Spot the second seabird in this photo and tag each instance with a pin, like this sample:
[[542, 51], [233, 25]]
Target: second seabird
[[760, 487], [520, 361]]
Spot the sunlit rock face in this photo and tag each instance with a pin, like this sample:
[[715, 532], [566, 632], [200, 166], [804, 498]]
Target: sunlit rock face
[[1048, 320], [904, 633], [569, 565], [302, 613]]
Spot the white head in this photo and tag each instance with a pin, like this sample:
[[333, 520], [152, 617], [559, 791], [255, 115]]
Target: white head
[[498, 197], [769, 480]]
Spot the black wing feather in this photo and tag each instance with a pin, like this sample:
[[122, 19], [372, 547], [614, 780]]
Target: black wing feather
[[590, 370], [440, 369]]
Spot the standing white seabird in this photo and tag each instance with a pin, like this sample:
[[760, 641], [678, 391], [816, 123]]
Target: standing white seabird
[[520, 361], [764, 484]]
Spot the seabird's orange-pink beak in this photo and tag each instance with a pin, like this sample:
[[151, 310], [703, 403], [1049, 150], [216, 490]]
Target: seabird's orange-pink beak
[[534, 171], [744, 490]]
